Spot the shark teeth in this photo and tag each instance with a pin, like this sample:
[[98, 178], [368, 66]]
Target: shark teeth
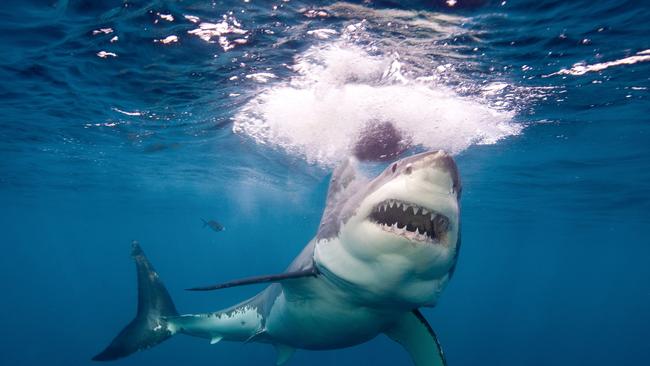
[[409, 220]]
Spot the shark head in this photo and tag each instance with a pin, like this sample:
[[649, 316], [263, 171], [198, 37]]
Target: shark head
[[395, 237]]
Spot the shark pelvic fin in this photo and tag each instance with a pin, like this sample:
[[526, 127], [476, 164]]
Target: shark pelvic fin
[[284, 353], [310, 272], [216, 339], [414, 333]]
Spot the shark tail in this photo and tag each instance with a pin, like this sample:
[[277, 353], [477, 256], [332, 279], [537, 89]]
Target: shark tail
[[150, 326], [205, 223]]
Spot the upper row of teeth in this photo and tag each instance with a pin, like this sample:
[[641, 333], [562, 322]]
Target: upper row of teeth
[[406, 206]]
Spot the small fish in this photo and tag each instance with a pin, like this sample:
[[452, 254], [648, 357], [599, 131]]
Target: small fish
[[213, 225], [159, 146]]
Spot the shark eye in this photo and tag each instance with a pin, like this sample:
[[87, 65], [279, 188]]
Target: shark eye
[[394, 167]]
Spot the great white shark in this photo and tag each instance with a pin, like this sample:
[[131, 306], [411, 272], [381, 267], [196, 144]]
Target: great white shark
[[385, 247]]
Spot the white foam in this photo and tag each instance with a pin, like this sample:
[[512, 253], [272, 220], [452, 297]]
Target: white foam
[[323, 33], [102, 31], [192, 18], [167, 17], [319, 113], [581, 68], [136, 113], [229, 26], [261, 77], [104, 54], [167, 40]]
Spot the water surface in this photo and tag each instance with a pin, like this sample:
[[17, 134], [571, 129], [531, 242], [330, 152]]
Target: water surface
[[125, 120]]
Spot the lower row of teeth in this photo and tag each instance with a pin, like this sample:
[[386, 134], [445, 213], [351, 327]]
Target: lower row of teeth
[[410, 234]]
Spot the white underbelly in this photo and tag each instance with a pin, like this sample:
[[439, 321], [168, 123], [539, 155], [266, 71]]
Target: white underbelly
[[322, 320]]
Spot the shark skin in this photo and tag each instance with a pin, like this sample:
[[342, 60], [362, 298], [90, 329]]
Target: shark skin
[[385, 247]]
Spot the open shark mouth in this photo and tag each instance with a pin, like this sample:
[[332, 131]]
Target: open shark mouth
[[409, 220]]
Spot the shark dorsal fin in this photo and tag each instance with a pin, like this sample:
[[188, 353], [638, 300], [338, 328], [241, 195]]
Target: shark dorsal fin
[[344, 178], [341, 179]]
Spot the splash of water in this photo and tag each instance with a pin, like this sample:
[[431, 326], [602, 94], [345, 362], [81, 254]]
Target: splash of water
[[319, 113]]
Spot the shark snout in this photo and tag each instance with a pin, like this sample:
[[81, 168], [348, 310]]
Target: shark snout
[[434, 162]]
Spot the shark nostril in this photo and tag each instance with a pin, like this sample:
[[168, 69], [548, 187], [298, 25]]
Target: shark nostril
[[408, 169], [394, 167]]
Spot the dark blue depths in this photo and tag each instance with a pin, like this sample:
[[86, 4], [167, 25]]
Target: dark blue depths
[[98, 151]]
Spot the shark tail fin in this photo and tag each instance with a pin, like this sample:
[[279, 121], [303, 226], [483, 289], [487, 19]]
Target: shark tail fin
[[150, 326], [205, 223]]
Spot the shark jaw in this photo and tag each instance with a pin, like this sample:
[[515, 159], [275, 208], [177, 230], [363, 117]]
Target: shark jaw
[[411, 221]]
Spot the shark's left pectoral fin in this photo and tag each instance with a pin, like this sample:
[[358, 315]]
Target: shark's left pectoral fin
[[281, 277], [414, 333], [284, 353]]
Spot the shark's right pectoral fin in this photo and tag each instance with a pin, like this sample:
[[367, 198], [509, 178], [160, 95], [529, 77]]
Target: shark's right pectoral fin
[[284, 353], [414, 333]]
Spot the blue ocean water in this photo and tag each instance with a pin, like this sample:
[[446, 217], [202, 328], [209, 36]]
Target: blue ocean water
[[123, 120]]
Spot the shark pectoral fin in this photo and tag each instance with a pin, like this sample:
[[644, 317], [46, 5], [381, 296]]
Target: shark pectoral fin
[[284, 353], [309, 272], [414, 333], [216, 339]]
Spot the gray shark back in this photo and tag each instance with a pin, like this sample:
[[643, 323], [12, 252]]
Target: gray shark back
[[344, 182]]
